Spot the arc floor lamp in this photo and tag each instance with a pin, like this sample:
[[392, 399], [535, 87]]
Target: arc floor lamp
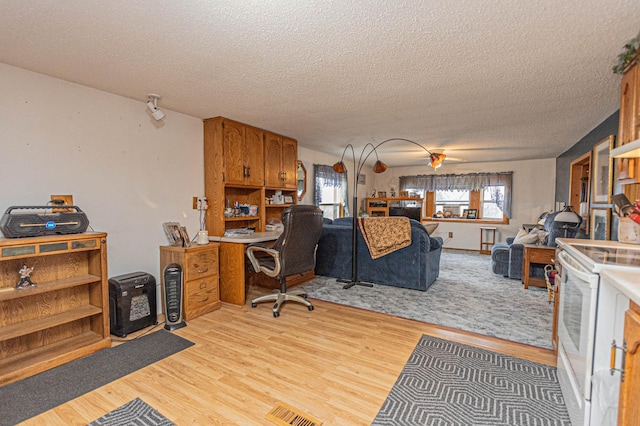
[[435, 160]]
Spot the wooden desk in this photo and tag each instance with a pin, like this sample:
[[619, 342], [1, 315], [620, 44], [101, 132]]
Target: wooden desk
[[536, 254], [233, 274]]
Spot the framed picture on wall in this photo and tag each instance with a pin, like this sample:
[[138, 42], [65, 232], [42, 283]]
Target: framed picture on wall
[[600, 223], [602, 171]]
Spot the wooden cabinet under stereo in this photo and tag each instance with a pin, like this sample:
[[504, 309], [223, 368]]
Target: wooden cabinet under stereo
[[281, 162], [63, 317], [200, 269]]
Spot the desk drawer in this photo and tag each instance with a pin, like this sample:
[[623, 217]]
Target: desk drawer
[[201, 296], [202, 263]]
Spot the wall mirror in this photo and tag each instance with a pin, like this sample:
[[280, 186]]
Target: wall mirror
[[302, 180]]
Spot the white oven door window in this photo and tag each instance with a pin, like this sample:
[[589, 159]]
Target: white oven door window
[[576, 322]]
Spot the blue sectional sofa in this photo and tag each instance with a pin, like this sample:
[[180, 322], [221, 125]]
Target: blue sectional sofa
[[416, 266]]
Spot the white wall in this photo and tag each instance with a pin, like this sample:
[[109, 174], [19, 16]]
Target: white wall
[[533, 192], [128, 172]]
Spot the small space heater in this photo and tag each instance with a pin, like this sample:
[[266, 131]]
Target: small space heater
[[132, 302]]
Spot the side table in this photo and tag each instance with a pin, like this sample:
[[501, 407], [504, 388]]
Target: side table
[[487, 239], [536, 254]]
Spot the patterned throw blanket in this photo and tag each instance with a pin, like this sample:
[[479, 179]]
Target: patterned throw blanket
[[385, 235]]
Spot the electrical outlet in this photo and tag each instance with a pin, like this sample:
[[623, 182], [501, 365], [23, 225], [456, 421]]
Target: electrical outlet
[[195, 203], [450, 234], [67, 199]]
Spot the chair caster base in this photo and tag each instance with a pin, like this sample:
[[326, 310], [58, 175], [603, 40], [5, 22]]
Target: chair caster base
[[276, 314], [253, 305], [311, 308]]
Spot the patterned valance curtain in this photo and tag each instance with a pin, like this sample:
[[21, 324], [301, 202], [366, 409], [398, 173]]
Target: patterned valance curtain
[[325, 176], [469, 182]]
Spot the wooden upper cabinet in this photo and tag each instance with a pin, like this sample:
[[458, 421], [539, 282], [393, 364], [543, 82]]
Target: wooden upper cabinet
[[281, 161], [254, 156], [243, 154], [629, 107]]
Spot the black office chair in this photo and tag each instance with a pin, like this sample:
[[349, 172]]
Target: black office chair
[[294, 252]]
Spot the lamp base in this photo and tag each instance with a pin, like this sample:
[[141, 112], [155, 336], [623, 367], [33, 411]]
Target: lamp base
[[351, 283]]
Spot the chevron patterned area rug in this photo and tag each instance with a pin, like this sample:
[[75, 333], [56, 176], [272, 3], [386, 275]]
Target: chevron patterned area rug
[[136, 412], [446, 383]]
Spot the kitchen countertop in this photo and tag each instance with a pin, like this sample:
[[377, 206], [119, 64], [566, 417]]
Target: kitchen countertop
[[625, 281]]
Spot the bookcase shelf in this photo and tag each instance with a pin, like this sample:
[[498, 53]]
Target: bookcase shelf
[[63, 317]]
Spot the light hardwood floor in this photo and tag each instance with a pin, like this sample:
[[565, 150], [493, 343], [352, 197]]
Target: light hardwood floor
[[336, 364]]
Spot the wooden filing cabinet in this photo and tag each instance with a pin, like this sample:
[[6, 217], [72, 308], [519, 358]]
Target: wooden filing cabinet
[[200, 269]]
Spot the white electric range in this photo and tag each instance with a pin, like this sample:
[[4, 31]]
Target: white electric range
[[581, 317]]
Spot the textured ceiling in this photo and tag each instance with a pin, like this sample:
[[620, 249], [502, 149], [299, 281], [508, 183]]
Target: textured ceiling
[[483, 80]]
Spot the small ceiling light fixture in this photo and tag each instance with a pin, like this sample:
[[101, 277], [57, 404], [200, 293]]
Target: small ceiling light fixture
[[152, 104]]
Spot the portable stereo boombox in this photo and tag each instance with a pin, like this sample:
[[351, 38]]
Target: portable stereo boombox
[[17, 223]]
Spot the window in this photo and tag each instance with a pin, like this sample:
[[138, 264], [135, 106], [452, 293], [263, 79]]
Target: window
[[331, 204], [330, 191], [489, 193], [452, 203], [492, 201]]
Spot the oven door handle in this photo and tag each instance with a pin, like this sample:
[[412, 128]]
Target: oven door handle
[[566, 262]]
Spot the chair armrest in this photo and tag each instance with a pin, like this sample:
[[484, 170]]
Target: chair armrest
[[263, 248]]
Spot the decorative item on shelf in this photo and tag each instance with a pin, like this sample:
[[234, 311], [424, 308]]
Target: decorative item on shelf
[[435, 159], [25, 279], [373, 193], [404, 194], [392, 192], [382, 194], [629, 55], [288, 199], [470, 214]]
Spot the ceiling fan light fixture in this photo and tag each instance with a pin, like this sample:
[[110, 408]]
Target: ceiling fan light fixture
[[437, 159]]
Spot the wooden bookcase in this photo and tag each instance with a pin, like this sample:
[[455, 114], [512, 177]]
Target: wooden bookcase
[[65, 316], [377, 206]]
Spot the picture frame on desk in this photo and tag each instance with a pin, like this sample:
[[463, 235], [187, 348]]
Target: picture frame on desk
[[382, 194], [404, 194], [172, 232], [186, 241]]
